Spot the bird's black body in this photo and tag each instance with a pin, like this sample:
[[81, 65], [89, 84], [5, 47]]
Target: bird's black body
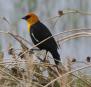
[[38, 33]]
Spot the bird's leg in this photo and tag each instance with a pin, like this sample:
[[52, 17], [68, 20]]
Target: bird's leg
[[45, 58]]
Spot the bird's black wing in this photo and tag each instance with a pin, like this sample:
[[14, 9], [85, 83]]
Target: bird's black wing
[[40, 32]]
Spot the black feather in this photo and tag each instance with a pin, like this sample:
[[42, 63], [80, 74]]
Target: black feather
[[41, 32]]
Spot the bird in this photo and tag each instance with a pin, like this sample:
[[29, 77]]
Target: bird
[[38, 32]]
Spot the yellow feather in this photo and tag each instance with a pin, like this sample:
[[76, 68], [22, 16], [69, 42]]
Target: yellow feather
[[29, 26], [32, 20]]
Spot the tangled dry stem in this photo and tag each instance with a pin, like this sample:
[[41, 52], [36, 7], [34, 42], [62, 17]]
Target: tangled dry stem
[[33, 75]]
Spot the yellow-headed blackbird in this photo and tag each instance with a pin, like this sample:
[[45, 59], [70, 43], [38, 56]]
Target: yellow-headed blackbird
[[38, 32]]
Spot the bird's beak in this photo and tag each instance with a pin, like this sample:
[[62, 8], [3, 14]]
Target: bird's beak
[[25, 18]]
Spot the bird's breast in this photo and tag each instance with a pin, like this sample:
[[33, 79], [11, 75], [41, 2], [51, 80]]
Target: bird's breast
[[29, 27]]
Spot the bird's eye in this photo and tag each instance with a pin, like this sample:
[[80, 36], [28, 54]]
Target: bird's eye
[[28, 16]]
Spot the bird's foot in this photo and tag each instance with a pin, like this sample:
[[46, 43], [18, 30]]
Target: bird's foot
[[45, 60]]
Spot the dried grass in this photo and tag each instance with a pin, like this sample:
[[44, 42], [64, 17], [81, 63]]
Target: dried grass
[[24, 71]]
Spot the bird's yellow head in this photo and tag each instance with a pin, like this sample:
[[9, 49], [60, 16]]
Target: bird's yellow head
[[31, 19]]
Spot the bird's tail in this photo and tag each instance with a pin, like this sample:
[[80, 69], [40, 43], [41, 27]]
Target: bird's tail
[[56, 56]]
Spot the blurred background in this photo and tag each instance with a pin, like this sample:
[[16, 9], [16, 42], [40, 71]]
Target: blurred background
[[13, 10]]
